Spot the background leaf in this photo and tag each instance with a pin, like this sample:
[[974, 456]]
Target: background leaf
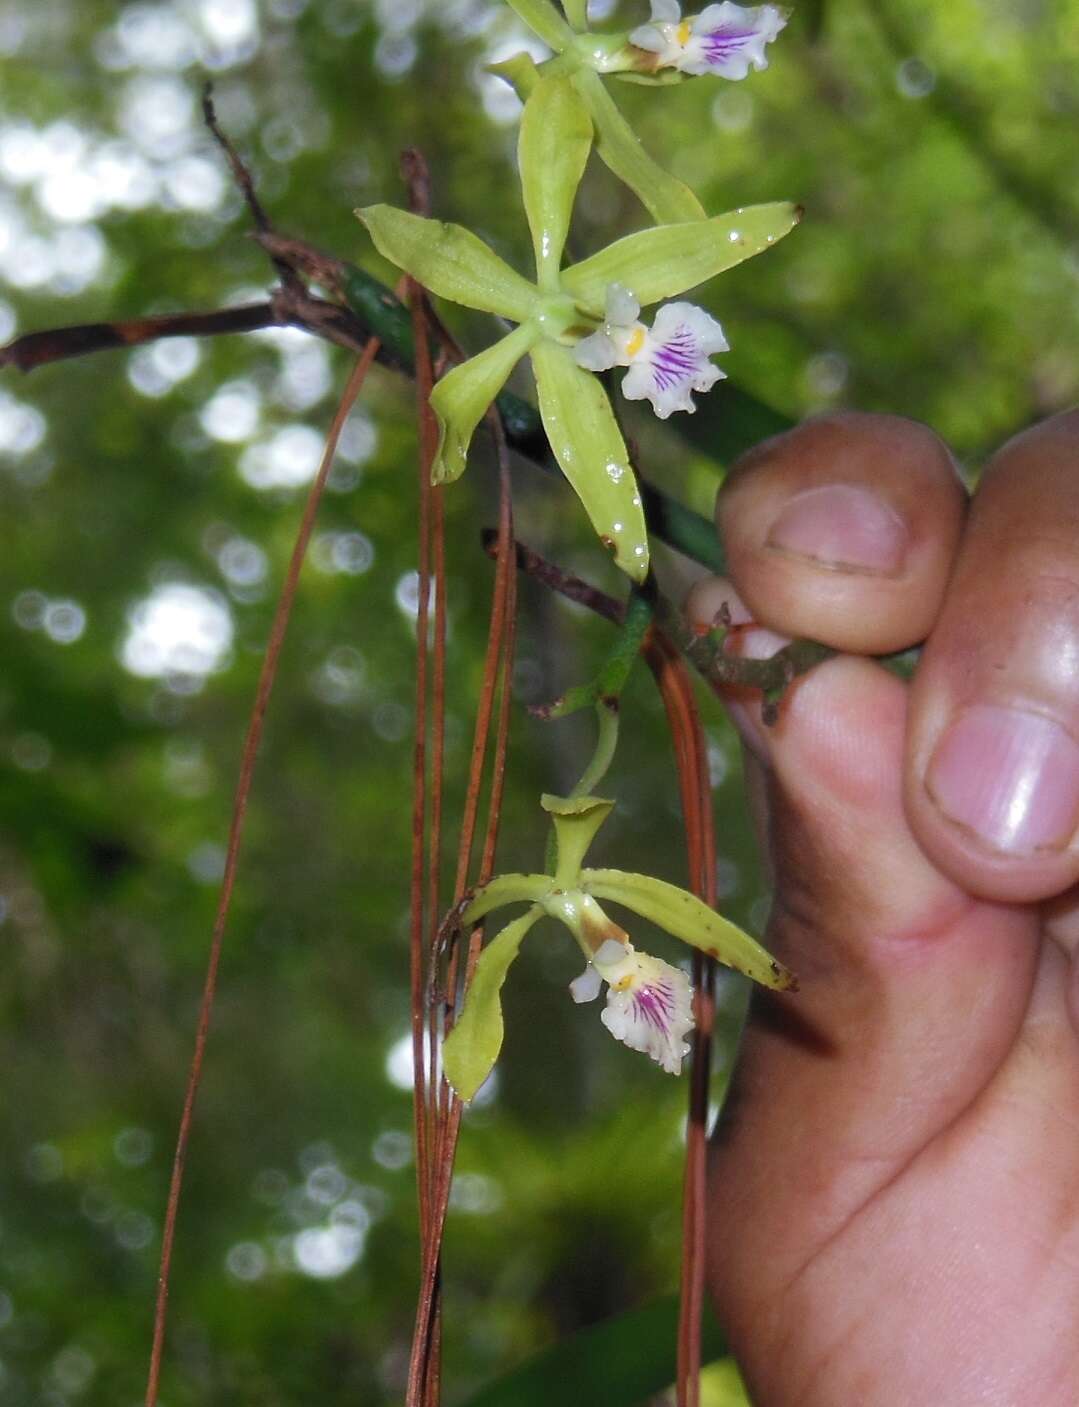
[[617, 1363]]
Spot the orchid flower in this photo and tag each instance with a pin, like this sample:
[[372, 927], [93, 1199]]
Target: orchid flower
[[725, 39], [666, 362], [649, 1002], [562, 307]]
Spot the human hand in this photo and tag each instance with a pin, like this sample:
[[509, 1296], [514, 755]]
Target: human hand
[[894, 1195]]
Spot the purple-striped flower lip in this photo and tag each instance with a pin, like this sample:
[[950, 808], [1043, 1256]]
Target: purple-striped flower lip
[[666, 362], [649, 1002], [724, 39]]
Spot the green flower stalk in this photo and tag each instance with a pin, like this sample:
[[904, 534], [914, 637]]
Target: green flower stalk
[[564, 306], [649, 1002]]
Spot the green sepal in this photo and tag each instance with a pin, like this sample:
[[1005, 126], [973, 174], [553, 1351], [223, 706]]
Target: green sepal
[[667, 199], [449, 261], [519, 71], [503, 890], [471, 1048], [576, 820], [689, 918], [461, 398], [670, 259], [555, 139], [586, 441], [543, 19]]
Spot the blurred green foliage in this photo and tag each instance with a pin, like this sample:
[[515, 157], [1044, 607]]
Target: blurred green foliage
[[151, 496]]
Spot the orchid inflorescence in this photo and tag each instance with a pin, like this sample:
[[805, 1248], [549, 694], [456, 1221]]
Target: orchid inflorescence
[[649, 1002], [576, 320]]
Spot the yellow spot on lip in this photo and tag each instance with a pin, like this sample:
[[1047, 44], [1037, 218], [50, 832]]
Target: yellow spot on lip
[[684, 32], [635, 342]]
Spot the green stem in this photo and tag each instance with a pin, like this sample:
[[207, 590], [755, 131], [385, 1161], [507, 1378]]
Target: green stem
[[606, 688], [577, 14], [607, 717]]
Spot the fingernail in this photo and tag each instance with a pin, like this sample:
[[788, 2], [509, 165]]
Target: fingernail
[[1010, 777], [844, 528]]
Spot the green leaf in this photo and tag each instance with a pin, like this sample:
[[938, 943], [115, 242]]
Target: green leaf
[[472, 1047], [556, 137], [668, 260], [543, 19], [462, 396], [688, 918], [449, 261], [503, 890], [588, 445], [618, 1362], [576, 821], [667, 200]]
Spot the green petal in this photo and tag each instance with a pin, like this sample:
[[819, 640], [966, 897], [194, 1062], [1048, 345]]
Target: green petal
[[668, 260], [461, 397], [588, 445], [450, 261], [666, 199], [688, 918], [472, 1047], [520, 72], [576, 821], [505, 889], [556, 137], [543, 19]]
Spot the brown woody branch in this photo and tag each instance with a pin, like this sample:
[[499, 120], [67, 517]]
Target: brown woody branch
[[704, 651]]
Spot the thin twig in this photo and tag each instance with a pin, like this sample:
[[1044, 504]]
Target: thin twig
[[498, 667], [252, 740], [574, 588], [691, 759], [246, 185], [34, 349], [704, 651]]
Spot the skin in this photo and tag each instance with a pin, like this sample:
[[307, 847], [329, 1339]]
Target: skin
[[894, 1189]]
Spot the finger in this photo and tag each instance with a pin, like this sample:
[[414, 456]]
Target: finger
[[993, 763], [841, 1084], [844, 530]]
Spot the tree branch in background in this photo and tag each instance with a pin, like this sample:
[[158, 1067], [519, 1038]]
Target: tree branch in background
[[36, 349]]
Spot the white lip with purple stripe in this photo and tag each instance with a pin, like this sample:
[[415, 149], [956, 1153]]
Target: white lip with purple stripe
[[649, 1002], [666, 362], [726, 40]]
